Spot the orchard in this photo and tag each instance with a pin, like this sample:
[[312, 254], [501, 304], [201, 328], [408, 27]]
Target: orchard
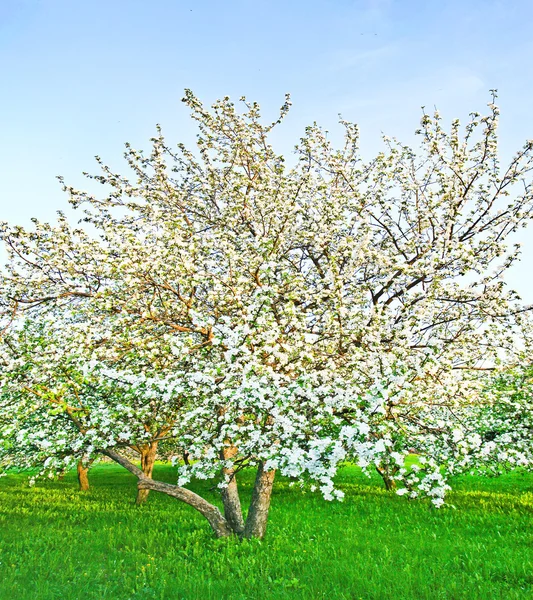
[[228, 309]]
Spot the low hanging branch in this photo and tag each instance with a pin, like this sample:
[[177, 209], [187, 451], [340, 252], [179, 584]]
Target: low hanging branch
[[217, 521]]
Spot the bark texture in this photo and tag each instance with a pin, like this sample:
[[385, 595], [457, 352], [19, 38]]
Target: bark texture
[[83, 478], [256, 521], [148, 454], [216, 519], [230, 495]]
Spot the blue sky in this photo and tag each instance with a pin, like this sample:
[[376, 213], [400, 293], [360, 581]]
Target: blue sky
[[81, 78]]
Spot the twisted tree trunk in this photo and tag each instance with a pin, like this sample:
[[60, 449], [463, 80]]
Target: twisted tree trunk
[[230, 495], [148, 454], [218, 522], [256, 521], [216, 519], [222, 526]]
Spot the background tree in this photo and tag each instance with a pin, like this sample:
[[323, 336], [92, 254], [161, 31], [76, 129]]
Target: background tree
[[53, 406], [503, 423]]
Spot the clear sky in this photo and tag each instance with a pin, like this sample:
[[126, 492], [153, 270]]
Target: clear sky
[[79, 78]]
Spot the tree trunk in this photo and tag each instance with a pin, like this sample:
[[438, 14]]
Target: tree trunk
[[148, 454], [256, 521], [216, 519], [390, 483], [230, 495], [83, 479]]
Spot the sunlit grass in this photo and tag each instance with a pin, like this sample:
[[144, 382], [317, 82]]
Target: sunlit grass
[[58, 543]]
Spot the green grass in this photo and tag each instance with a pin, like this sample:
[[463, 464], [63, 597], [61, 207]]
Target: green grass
[[57, 543]]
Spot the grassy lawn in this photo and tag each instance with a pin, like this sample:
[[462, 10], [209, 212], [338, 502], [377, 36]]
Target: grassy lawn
[[57, 543]]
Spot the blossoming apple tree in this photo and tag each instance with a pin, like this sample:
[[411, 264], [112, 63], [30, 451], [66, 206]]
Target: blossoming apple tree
[[57, 396], [503, 423], [288, 316]]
